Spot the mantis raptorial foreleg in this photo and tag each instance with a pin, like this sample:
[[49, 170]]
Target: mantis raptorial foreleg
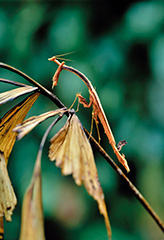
[[83, 101], [56, 75]]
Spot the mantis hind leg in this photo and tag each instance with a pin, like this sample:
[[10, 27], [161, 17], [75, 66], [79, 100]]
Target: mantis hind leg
[[90, 133], [96, 122], [98, 132]]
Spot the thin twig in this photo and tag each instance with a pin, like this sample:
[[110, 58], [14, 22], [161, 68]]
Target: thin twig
[[42, 89], [38, 159], [134, 190], [13, 82]]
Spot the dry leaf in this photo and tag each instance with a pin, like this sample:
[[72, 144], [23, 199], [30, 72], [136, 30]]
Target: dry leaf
[[7, 197], [9, 121], [25, 127], [32, 226], [12, 94], [73, 153]]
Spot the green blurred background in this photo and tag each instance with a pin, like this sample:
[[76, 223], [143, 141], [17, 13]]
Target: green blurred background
[[120, 48]]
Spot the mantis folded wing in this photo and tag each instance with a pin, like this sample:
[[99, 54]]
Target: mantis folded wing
[[97, 107]]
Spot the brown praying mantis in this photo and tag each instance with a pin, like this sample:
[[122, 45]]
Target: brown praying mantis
[[98, 111]]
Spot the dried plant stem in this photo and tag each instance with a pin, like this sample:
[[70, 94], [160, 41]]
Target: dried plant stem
[[45, 137], [12, 82], [42, 89], [134, 190]]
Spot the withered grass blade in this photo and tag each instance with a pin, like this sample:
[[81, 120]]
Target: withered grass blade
[[9, 121], [73, 153], [15, 93], [7, 196], [25, 127], [32, 224]]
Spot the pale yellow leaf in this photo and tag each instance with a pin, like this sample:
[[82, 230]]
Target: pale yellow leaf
[[25, 127], [12, 94], [7, 196], [73, 153], [32, 226]]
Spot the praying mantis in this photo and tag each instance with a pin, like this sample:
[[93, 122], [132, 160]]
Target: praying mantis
[[98, 112]]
